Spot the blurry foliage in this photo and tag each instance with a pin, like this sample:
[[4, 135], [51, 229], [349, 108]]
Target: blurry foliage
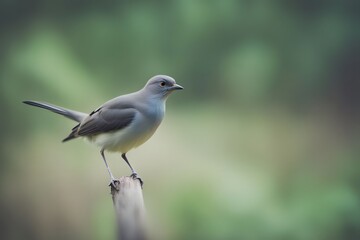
[[264, 141]]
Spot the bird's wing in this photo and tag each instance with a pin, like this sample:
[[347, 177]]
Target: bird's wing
[[106, 120]]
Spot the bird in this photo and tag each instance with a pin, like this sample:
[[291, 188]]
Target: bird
[[122, 123]]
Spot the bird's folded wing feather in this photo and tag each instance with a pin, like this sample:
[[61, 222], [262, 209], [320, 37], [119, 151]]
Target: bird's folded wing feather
[[106, 120]]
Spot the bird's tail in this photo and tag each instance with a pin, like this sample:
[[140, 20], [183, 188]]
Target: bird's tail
[[73, 115]]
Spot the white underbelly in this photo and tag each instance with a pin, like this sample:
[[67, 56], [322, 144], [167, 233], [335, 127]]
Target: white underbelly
[[125, 139], [138, 132]]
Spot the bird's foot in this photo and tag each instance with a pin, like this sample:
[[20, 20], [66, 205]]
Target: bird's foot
[[134, 175], [114, 183]]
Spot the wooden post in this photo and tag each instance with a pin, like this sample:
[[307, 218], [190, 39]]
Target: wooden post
[[129, 208]]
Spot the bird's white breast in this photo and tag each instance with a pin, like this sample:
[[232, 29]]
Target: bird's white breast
[[144, 125]]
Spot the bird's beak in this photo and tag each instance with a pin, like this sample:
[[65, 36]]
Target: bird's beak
[[176, 87]]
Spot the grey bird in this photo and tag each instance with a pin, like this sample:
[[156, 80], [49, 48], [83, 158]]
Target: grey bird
[[122, 123]]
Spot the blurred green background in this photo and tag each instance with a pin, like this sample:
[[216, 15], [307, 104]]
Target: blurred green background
[[263, 143]]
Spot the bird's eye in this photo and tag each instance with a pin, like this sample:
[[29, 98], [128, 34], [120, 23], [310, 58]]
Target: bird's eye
[[162, 84]]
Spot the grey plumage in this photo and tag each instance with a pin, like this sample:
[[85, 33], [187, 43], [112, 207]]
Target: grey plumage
[[124, 122], [102, 121], [73, 115]]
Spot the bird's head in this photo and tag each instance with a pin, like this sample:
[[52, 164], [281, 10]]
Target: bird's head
[[161, 85]]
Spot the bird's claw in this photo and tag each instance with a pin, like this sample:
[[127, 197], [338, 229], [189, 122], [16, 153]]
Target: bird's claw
[[114, 182], [134, 175]]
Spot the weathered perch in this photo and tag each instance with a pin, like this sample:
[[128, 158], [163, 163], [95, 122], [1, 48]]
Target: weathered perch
[[130, 210]]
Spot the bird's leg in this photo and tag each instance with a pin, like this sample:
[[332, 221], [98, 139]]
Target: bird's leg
[[112, 179], [134, 174]]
